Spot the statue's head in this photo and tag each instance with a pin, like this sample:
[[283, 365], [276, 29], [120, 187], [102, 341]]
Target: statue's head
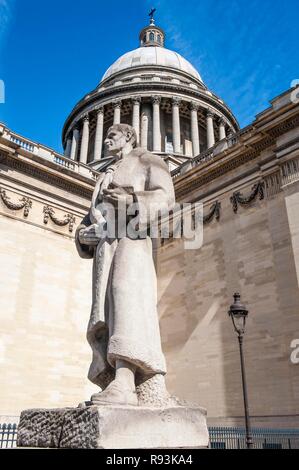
[[120, 136]]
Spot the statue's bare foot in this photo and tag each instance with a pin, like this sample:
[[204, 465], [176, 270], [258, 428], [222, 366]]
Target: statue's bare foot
[[115, 394]]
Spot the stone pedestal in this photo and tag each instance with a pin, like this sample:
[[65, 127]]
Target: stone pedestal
[[117, 427]]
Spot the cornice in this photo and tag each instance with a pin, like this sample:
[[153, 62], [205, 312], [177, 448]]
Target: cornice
[[41, 174], [150, 70]]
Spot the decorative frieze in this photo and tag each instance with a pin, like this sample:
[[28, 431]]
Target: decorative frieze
[[25, 203], [68, 219], [257, 191]]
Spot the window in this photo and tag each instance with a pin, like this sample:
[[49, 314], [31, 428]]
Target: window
[[144, 39], [152, 37], [159, 39]]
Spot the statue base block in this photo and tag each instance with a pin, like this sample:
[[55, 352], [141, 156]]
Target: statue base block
[[114, 427]]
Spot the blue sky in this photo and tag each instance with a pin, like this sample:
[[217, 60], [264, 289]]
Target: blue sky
[[54, 52]]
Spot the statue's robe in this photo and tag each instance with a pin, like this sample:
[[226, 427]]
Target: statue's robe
[[124, 321]]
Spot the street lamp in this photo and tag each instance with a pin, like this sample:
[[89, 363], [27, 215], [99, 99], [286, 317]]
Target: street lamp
[[238, 314]]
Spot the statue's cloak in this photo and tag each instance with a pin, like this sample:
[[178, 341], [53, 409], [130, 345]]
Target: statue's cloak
[[124, 319]]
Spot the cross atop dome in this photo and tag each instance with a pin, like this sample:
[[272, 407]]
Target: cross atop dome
[[152, 35], [151, 15]]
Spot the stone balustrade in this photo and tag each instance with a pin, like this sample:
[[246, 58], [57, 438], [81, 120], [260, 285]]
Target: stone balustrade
[[22, 143], [45, 153]]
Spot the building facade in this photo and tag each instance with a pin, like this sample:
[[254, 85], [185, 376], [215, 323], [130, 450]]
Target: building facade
[[248, 182]]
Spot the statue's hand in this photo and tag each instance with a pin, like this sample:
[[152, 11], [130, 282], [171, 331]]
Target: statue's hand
[[116, 195], [90, 236]]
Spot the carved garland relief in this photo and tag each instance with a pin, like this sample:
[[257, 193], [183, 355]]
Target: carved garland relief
[[68, 219], [24, 203], [238, 199], [49, 213], [258, 191]]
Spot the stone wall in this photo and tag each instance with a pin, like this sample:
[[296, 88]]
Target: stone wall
[[45, 286], [44, 310], [254, 252]]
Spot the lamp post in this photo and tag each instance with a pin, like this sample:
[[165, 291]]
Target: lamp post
[[238, 314]]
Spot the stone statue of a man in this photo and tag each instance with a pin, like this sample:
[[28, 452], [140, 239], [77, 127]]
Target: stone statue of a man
[[123, 331]]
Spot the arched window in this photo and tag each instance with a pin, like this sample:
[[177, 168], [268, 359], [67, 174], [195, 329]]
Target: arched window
[[152, 37], [159, 39], [144, 39]]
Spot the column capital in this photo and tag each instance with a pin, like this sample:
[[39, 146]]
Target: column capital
[[222, 122], [99, 109], [176, 101], [76, 126], [85, 118], [116, 104], [210, 114], [194, 106], [156, 99], [136, 99]]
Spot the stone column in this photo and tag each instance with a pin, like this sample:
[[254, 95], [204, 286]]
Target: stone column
[[136, 116], [176, 127], [85, 140], [117, 108], [156, 100], [222, 133], [98, 143], [144, 129], [68, 147], [210, 130], [75, 143], [194, 129]]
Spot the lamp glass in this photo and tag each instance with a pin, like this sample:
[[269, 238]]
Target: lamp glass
[[239, 322]]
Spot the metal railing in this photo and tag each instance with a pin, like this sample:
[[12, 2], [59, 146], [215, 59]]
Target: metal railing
[[220, 438], [263, 438], [8, 435]]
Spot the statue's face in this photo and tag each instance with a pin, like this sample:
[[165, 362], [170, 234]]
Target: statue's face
[[115, 141]]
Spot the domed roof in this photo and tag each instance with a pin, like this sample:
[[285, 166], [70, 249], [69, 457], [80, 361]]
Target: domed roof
[[156, 56]]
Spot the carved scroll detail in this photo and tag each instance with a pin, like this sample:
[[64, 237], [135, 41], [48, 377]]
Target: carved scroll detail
[[25, 203], [257, 191], [69, 219]]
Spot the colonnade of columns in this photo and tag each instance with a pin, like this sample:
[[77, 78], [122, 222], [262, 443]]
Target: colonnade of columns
[[140, 122]]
